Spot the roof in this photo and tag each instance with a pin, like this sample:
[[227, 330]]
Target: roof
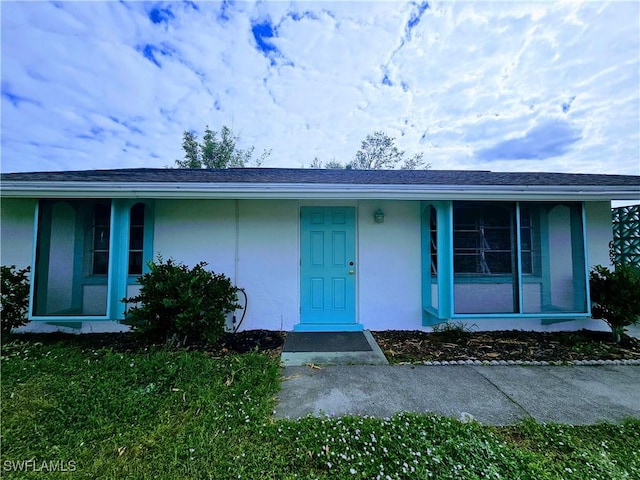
[[318, 183]]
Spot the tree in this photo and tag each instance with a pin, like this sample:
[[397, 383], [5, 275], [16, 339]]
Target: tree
[[316, 163], [614, 296], [379, 151], [332, 164], [216, 151]]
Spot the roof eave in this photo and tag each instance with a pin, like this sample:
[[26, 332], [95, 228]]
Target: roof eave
[[190, 190]]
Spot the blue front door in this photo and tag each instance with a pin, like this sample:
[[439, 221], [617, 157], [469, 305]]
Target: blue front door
[[327, 269]]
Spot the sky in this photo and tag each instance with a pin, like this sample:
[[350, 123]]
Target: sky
[[501, 86]]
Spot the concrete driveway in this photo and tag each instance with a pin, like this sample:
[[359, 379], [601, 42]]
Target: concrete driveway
[[497, 395]]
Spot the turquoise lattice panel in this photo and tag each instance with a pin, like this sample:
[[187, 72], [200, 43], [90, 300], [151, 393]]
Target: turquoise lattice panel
[[626, 235]]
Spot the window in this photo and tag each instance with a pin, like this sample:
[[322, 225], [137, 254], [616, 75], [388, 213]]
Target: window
[[101, 229], [528, 242], [480, 246], [433, 239], [483, 239], [136, 239]]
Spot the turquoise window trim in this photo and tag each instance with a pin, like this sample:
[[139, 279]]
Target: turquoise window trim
[[425, 257], [149, 228], [425, 245], [444, 276], [586, 258], [118, 258], [117, 278], [69, 318], [543, 316], [430, 317], [500, 279], [519, 275], [73, 325], [121, 245], [445, 259]]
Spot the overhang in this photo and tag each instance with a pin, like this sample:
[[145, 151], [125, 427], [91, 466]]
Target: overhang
[[238, 190]]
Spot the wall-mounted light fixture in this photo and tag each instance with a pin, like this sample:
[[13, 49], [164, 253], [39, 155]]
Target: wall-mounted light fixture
[[378, 216]]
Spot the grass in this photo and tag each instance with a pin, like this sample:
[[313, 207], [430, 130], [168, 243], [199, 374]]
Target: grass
[[160, 414]]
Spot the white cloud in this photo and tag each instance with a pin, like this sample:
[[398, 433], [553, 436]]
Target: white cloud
[[108, 85]]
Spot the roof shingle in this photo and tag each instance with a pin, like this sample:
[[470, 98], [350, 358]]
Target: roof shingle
[[326, 176]]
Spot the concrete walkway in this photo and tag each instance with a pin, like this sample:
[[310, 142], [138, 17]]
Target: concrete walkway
[[496, 395]]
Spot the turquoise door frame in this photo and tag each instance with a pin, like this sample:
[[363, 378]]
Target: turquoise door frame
[[327, 269]]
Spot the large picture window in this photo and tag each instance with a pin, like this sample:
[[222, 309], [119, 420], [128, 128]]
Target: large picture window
[[518, 257]]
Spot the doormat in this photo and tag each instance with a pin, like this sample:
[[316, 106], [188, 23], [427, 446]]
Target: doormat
[[326, 342]]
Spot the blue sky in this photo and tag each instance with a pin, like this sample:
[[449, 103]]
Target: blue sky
[[544, 86]]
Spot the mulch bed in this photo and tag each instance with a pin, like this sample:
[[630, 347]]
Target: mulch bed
[[398, 345], [265, 341], [413, 346]]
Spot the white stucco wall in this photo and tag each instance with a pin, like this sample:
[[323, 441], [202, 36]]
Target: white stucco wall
[[191, 231], [266, 242], [599, 232], [268, 263], [389, 273], [16, 231], [256, 246]]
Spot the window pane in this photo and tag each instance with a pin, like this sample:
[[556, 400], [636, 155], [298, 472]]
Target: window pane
[[465, 263], [497, 239], [498, 262], [137, 214], [101, 238], [483, 261], [433, 235], [102, 214], [136, 238], [135, 263], [526, 262], [466, 240], [100, 263], [496, 217]]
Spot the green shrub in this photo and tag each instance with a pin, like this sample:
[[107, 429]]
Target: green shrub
[[181, 303], [615, 296], [15, 297]]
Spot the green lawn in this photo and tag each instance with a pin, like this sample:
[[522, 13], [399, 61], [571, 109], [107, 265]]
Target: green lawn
[[101, 414]]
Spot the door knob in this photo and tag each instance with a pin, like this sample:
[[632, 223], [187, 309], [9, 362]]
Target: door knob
[[351, 272]]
